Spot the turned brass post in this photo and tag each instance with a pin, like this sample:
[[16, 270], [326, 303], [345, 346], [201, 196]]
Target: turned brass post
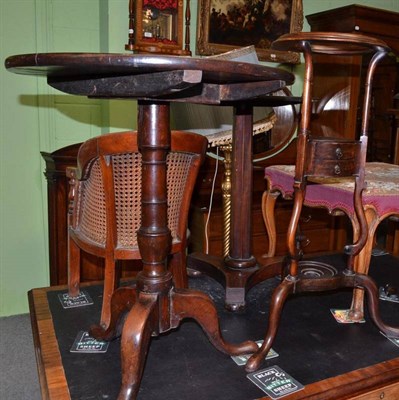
[[226, 192]]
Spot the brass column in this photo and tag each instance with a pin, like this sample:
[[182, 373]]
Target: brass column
[[226, 192]]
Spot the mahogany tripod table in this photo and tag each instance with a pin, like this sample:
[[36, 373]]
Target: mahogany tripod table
[[154, 306]]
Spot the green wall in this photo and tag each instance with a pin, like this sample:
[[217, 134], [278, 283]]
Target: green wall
[[34, 118], [23, 260]]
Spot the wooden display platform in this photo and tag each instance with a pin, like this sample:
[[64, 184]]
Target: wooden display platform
[[333, 361]]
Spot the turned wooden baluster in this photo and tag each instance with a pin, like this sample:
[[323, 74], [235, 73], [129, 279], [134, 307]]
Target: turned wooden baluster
[[154, 306]]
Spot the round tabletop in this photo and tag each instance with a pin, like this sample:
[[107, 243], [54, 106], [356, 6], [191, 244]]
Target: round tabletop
[[104, 64], [330, 43], [169, 78]]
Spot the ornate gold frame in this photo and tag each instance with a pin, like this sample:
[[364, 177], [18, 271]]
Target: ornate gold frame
[[140, 44], [204, 47]]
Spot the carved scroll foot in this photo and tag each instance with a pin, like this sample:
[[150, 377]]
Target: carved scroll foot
[[278, 299]]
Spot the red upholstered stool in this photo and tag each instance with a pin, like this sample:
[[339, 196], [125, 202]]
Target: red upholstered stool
[[380, 199]]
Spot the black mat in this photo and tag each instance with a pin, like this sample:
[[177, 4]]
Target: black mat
[[182, 364]]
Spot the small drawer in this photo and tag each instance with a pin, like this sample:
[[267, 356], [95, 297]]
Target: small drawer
[[333, 150], [331, 168], [329, 158]]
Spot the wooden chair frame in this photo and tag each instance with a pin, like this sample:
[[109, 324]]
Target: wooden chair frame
[[102, 151]]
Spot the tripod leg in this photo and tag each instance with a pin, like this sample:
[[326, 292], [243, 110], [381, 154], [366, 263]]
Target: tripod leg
[[279, 297], [195, 304], [373, 300], [136, 336], [122, 300]]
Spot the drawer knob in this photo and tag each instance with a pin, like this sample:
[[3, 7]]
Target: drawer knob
[[338, 153], [337, 170]]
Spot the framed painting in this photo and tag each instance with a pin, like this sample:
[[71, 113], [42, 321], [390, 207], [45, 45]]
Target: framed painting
[[224, 25]]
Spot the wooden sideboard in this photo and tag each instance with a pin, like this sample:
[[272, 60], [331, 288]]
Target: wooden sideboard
[[57, 199]]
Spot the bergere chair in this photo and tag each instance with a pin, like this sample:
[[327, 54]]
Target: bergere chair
[[320, 158], [105, 208]]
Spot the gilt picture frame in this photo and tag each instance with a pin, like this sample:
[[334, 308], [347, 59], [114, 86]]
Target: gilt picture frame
[[225, 25]]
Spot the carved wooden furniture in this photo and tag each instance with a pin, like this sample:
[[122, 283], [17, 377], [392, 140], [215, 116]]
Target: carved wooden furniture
[[57, 199], [316, 229], [239, 273], [223, 141], [105, 212], [91, 267], [154, 306], [206, 223], [321, 158], [333, 77]]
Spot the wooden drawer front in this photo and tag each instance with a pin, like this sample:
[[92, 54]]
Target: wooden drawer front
[[332, 159], [333, 150], [332, 168]]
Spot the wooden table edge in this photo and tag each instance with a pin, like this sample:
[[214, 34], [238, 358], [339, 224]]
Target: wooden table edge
[[53, 383], [352, 385]]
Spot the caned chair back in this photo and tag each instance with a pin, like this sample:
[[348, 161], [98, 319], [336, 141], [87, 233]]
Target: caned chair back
[[105, 204]]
